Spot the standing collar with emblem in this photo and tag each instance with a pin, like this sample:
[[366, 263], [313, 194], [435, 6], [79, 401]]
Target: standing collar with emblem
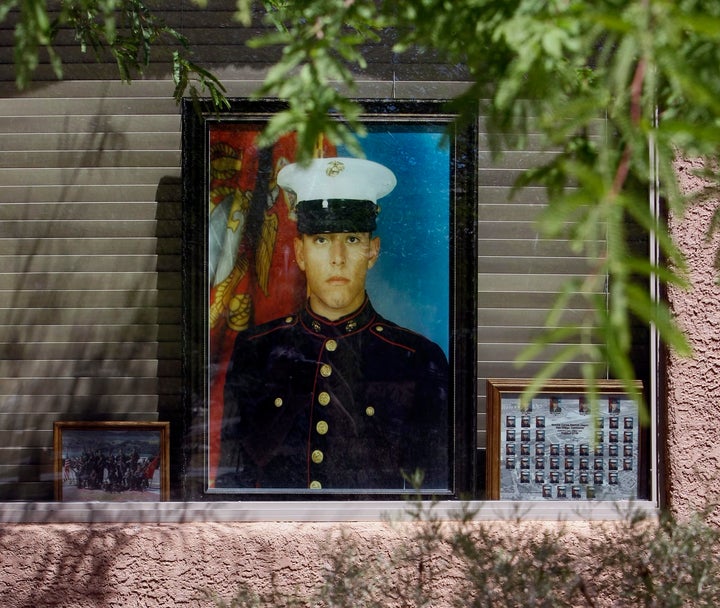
[[343, 326]]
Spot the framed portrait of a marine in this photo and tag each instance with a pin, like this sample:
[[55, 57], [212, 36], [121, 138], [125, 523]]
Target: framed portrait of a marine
[[329, 306]]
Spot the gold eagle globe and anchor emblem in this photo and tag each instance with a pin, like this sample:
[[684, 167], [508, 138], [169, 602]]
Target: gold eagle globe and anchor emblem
[[334, 168]]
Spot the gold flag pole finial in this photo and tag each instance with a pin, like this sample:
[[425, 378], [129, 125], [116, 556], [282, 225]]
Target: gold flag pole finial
[[319, 151]]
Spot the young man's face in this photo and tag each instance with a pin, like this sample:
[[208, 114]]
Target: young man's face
[[335, 267]]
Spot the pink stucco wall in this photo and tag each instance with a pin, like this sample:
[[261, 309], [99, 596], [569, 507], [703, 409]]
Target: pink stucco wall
[[694, 383], [81, 566], [88, 566], [162, 565]]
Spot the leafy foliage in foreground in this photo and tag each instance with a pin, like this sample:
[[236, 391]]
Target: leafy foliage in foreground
[[126, 30], [617, 89], [636, 561]]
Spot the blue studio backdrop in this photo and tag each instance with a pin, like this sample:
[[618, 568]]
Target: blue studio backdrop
[[410, 284]]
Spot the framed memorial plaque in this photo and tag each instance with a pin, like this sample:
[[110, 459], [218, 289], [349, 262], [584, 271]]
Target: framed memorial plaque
[[560, 445], [329, 306]]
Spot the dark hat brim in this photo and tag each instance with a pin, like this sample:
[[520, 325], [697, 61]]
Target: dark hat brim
[[336, 215]]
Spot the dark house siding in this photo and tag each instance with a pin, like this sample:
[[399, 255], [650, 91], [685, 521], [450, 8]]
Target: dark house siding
[[89, 264], [90, 239]]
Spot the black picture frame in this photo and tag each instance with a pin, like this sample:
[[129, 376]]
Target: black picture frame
[[200, 124]]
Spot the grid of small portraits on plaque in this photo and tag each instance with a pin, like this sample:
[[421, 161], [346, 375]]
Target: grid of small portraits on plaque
[[558, 447]]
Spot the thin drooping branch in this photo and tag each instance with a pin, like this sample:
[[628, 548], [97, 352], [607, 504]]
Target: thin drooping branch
[[636, 88]]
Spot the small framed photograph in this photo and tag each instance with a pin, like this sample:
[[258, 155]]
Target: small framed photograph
[[111, 461]]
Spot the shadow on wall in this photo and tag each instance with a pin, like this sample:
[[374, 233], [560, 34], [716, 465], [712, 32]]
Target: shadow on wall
[[425, 562], [82, 334], [169, 318]]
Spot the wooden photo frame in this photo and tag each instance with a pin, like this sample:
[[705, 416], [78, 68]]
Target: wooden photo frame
[[111, 461], [561, 446]]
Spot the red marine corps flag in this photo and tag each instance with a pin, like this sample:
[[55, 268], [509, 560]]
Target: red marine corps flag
[[251, 265], [151, 466]]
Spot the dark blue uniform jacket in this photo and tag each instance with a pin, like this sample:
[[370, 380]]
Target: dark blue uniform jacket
[[343, 405]]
